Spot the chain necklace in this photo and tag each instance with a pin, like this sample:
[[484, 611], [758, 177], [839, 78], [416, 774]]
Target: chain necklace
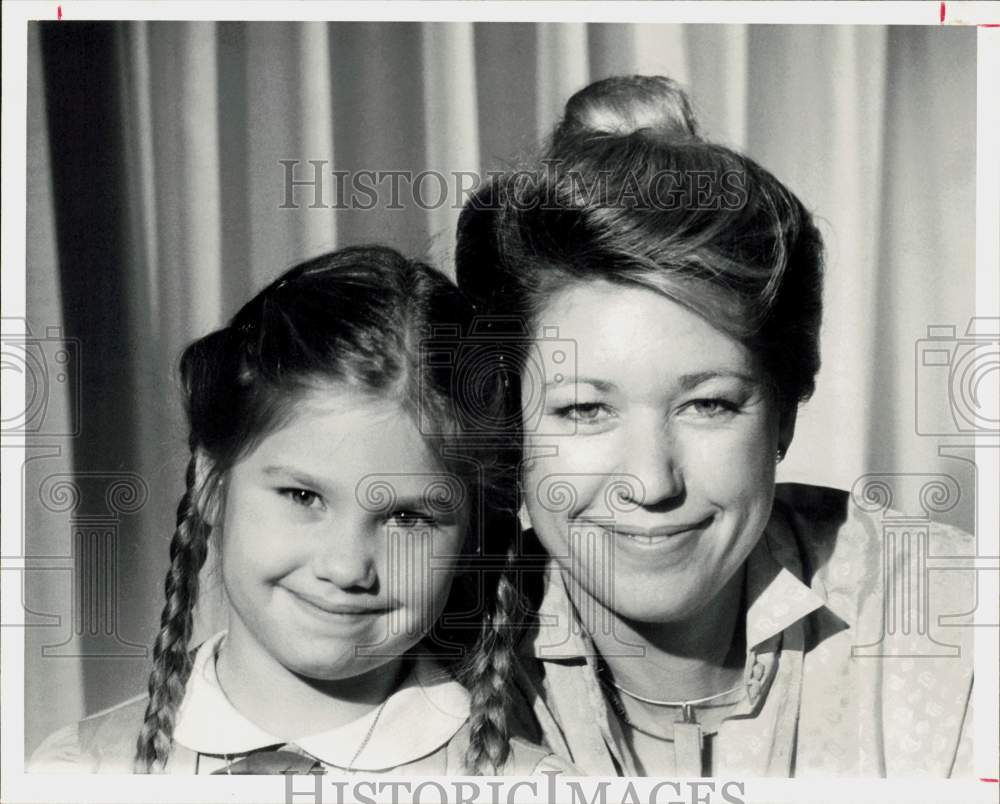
[[368, 736]]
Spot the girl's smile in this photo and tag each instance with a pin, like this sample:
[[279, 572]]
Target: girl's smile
[[324, 578]]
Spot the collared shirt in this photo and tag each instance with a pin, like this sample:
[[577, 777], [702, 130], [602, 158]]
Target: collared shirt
[[421, 730], [838, 681], [210, 725]]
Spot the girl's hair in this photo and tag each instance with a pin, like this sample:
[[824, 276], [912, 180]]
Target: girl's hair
[[370, 318], [629, 193]]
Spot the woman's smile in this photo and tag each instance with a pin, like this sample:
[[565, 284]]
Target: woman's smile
[[648, 536], [642, 509]]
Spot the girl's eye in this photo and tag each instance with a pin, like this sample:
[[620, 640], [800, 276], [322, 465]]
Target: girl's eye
[[712, 407], [302, 497], [586, 412], [411, 519]]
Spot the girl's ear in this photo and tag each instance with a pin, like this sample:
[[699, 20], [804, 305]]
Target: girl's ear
[[208, 489], [523, 517]]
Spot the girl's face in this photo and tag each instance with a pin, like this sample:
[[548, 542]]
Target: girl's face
[[668, 409], [337, 552]]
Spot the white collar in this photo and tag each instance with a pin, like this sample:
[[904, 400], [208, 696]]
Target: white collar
[[429, 701]]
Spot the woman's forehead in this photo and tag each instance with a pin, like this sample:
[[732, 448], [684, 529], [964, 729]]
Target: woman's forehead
[[614, 333]]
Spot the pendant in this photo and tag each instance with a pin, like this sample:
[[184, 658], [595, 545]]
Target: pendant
[[687, 744]]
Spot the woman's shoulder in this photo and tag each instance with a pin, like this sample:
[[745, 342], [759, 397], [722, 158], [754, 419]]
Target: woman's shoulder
[[877, 551], [830, 521], [524, 758], [530, 759], [102, 742]]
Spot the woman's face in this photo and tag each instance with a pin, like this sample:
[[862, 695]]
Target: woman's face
[[650, 475]]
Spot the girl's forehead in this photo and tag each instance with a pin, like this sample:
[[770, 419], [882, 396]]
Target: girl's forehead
[[334, 398], [338, 430]]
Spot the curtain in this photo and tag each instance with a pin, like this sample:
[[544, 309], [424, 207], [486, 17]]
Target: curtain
[[161, 155]]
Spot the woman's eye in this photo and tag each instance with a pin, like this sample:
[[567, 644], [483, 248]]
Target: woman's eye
[[412, 519], [302, 497], [585, 412], [712, 407]]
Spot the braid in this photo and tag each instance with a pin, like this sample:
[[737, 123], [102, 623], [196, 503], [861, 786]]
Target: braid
[[489, 677], [171, 660]]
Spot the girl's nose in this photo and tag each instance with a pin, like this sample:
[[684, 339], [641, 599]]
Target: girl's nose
[[345, 558]]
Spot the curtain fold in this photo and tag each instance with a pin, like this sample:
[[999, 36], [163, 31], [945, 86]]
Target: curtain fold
[[168, 148], [54, 689]]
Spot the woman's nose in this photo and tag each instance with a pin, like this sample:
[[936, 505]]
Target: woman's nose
[[653, 461], [345, 557]]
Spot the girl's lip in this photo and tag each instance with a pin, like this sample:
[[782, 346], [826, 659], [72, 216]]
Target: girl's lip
[[338, 608]]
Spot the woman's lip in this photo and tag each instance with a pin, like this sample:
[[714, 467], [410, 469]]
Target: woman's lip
[[655, 533]]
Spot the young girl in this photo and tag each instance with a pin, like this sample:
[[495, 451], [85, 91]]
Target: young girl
[[332, 468]]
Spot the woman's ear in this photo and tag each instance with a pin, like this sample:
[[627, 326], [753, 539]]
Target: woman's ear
[[786, 428]]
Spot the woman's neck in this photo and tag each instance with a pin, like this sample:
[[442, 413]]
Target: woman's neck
[[288, 705], [699, 656]]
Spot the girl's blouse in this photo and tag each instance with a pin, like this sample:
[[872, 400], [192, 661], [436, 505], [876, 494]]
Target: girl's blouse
[[422, 730], [859, 656]]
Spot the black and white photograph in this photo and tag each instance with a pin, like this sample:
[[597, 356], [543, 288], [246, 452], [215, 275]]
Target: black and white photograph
[[494, 402]]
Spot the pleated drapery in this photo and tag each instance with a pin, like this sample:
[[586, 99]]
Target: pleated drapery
[[158, 161]]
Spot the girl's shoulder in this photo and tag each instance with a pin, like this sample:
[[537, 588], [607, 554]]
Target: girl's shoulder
[[101, 743]]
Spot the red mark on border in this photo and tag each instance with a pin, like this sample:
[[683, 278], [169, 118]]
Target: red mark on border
[[995, 781], [59, 12], [942, 11]]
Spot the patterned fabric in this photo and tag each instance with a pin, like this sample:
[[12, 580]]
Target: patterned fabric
[[857, 662]]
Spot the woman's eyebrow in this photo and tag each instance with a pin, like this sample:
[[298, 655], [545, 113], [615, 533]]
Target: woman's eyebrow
[[601, 385], [689, 381]]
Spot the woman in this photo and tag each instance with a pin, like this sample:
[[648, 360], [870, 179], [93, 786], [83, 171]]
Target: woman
[[696, 620]]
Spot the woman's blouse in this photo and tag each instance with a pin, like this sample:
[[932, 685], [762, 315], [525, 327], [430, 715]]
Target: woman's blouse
[[858, 662], [421, 730]]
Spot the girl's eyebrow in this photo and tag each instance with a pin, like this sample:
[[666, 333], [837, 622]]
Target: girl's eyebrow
[[295, 474]]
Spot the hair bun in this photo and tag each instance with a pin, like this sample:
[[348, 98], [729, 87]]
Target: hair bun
[[625, 104]]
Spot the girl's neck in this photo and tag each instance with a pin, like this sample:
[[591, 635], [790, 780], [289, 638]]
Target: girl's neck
[[291, 706], [699, 656]]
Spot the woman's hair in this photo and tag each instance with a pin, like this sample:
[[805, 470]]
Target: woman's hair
[[374, 320], [628, 192]]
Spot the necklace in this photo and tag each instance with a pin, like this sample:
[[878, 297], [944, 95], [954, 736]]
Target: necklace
[[688, 738], [368, 736], [686, 707]]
